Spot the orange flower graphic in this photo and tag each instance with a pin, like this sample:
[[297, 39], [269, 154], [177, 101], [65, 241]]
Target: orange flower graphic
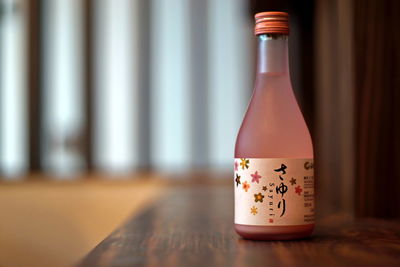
[[246, 186]]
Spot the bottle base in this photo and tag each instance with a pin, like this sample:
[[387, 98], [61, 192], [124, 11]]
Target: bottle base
[[255, 232]]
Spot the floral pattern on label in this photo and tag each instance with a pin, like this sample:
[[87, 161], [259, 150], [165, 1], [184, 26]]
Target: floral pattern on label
[[274, 191]]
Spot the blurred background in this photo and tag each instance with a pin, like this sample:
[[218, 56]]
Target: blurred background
[[131, 89]]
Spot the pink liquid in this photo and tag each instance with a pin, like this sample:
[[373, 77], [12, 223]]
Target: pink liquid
[[273, 127]]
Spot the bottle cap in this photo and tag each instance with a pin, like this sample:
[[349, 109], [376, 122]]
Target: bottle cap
[[271, 22]]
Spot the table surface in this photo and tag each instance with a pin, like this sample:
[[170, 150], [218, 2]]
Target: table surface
[[192, 226]]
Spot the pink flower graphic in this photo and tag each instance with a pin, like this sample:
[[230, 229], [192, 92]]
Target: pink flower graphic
[[236, 165], [255, 177]]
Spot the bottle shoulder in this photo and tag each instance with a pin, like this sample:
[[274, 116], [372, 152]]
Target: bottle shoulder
[[284, 143], [274, 126]]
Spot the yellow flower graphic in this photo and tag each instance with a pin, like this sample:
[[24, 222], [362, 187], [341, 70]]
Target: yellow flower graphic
[[253, 210], [244, 163]]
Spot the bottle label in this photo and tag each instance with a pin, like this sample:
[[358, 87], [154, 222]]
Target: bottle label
[[274, 191]]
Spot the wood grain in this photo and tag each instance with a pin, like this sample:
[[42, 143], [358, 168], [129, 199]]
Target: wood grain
[[193, 226]]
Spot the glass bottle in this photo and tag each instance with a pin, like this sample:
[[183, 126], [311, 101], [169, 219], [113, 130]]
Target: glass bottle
[[274, 180]]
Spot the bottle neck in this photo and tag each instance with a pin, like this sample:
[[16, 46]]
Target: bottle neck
[[273, 56]]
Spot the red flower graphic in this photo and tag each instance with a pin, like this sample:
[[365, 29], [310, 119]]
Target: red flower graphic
[[298, 190]]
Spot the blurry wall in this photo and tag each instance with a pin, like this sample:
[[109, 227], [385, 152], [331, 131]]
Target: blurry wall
[[377, 91], [335, 116], [118, 86], [357, 85], [13, 87]]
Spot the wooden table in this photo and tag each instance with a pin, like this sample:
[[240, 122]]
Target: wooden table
[[192, 226]]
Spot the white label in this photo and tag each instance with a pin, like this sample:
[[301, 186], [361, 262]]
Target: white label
[[274, 191]]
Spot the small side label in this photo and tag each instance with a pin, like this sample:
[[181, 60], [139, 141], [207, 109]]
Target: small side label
[[274, 191]]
